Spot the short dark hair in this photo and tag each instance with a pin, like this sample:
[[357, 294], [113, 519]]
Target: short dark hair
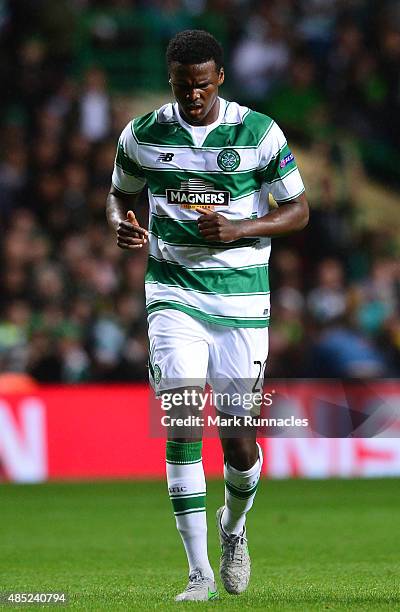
[[194, 47]]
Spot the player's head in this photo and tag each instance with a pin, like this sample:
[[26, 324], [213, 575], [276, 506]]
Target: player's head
[[195, 68]]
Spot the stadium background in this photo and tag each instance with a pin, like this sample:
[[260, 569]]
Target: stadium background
[[74, 73], [72, 304]]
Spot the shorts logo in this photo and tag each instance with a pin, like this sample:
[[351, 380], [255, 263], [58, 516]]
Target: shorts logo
[[228, 160], [196, 192], [157, 374], [286, 160]]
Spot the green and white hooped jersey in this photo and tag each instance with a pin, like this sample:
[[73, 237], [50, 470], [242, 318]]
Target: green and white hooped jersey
[[230, 166]]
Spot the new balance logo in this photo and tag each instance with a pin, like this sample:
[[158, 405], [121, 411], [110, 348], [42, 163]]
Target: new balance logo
[[165, 157]]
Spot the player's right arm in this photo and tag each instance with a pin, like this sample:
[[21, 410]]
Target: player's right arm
[[121, 218], [128, 181]]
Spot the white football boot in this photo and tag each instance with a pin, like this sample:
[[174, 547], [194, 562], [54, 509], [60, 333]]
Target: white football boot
[[199, 588], [234, 566]]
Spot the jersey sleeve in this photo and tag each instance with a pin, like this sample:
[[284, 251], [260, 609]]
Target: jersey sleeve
[[278, 168], [127, 176]]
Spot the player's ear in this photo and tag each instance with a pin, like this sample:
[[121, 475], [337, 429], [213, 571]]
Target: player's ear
[[221, 77]]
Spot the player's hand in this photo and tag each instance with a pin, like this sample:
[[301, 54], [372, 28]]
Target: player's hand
[[217, 228], [129, 233]]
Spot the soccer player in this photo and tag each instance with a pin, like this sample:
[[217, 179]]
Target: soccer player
[[209, 166]]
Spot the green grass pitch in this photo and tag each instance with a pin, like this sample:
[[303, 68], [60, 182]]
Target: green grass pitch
[[315, 545]]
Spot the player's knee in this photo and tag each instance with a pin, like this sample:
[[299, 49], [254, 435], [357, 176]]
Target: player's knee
[[240, 454]]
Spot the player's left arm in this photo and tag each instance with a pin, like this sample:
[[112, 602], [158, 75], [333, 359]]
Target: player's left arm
[[290, 216], [278, 170]]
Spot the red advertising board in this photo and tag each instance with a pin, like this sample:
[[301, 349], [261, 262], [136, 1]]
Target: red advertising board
[[62, 432]]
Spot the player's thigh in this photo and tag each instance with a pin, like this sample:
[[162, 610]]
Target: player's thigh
[[238, 353], [237, 366], [178, 350]]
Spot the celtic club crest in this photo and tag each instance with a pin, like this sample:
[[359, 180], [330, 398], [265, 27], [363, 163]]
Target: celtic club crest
[[228, 160]]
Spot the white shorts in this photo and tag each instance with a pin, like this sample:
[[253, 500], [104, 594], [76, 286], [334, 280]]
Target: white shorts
[[188, 352]]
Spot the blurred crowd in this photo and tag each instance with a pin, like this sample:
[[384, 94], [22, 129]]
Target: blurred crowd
[[71, 303]]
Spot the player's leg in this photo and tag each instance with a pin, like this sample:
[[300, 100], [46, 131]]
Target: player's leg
[[174, 340], [242, 469], [187, 491], [238, 357]]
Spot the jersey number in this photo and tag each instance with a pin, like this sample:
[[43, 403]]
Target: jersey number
[[261, 372]]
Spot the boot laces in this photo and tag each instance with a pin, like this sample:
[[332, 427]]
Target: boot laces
[[195, 578], [236, 545]]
